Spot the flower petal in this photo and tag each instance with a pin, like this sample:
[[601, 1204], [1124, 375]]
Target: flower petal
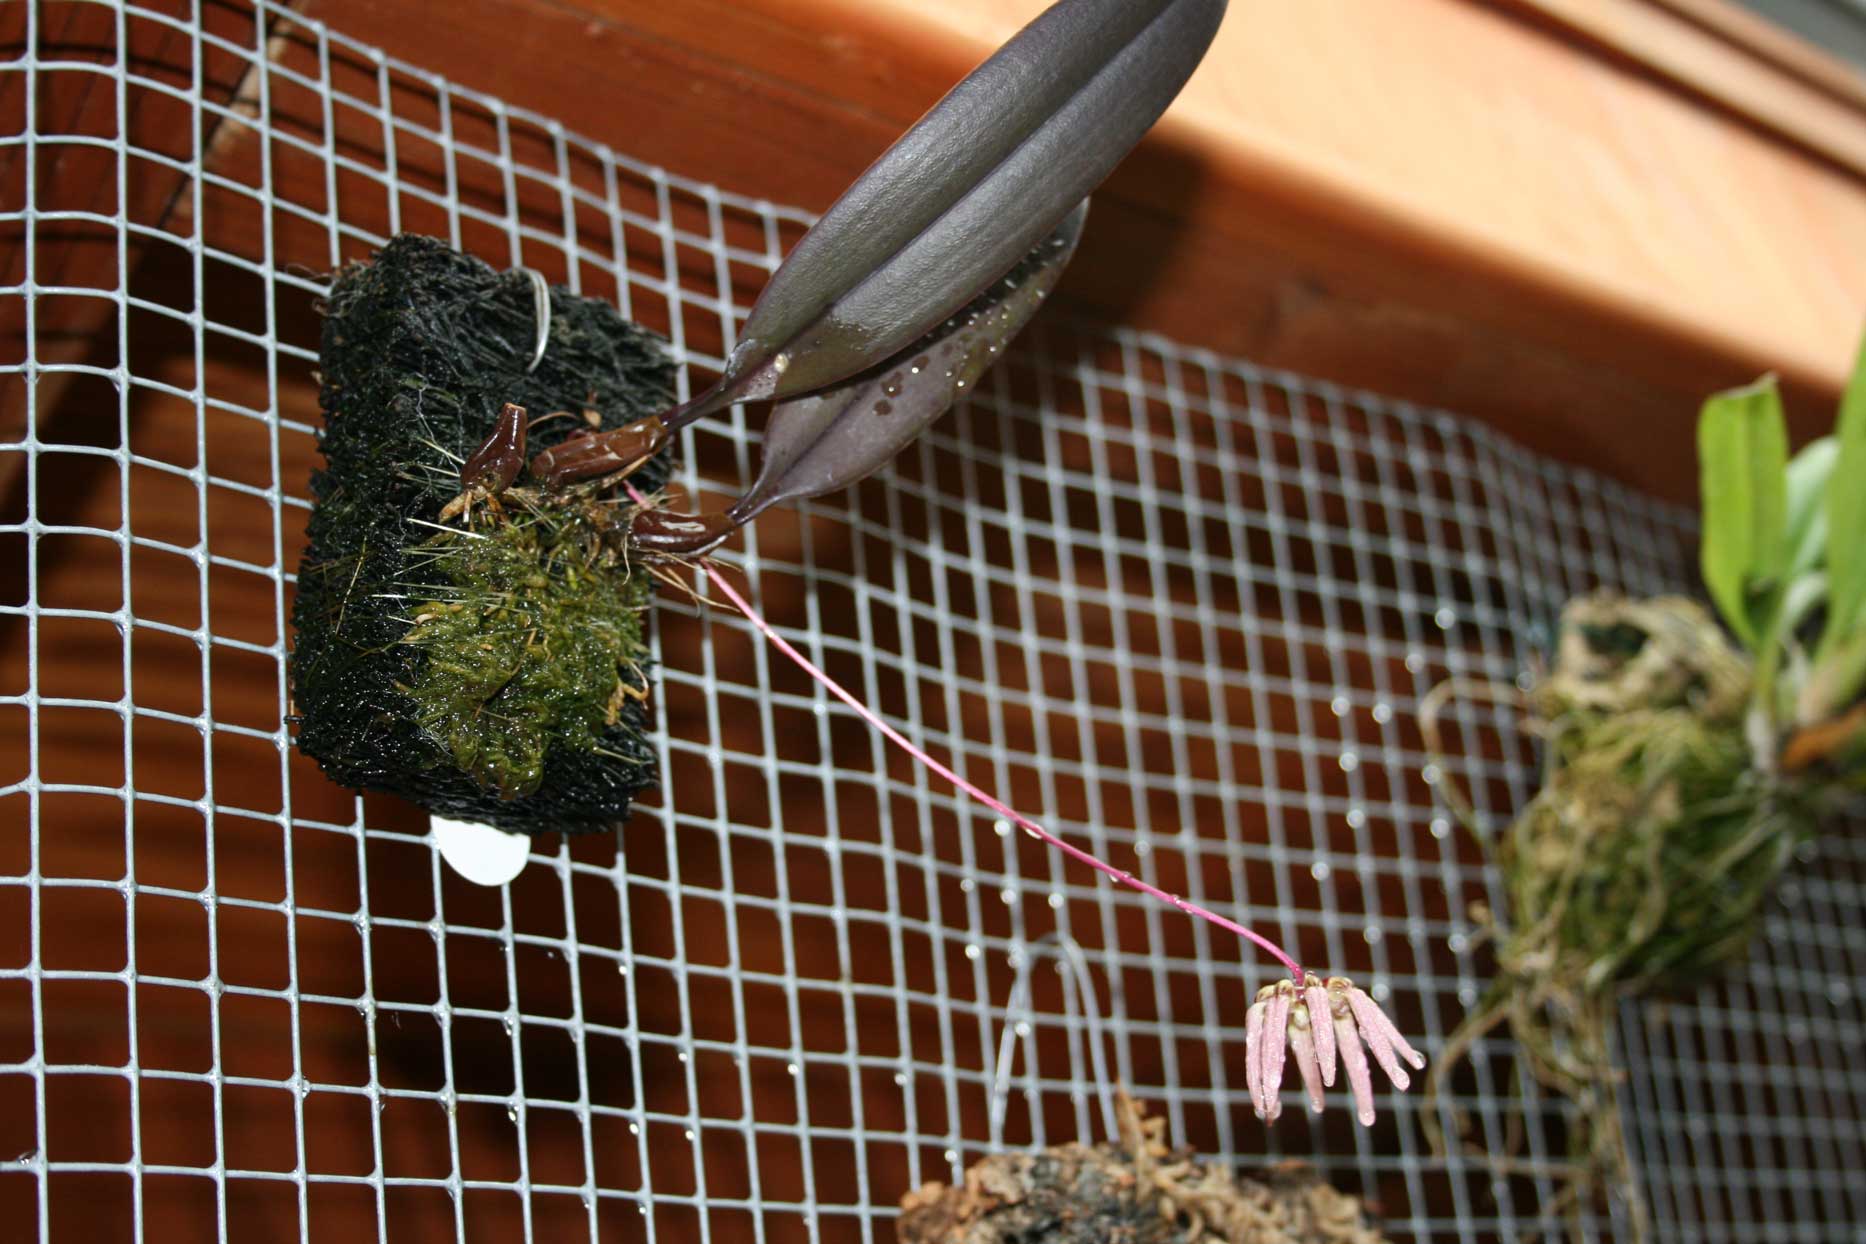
[[1374, 1032], [1323, 1028], [1355, 1060], [1275, 1043], [1253, 1050], [1302, 1044], [1390, 1030]]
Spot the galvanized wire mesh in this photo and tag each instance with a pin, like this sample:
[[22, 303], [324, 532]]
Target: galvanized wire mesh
[[1181, 607]]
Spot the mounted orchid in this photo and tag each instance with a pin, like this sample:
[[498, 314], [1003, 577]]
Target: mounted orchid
[[889, 309]]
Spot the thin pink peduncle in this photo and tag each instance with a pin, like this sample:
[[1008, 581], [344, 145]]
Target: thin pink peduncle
[[901, 741]]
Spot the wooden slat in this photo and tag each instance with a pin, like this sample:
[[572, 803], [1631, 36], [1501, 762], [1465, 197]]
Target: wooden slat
[[1759, 37], [1722, 72]]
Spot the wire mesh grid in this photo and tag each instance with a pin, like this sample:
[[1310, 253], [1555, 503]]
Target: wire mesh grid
[[1181, 607]]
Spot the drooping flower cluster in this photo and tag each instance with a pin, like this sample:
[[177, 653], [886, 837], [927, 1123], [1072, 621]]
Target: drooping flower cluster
[[1283, 1020]]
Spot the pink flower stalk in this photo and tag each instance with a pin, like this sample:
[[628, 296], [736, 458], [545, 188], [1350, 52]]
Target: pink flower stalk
[[1284, 1018]]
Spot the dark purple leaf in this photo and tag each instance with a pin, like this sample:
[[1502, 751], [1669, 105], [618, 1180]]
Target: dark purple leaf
[[828, 441], [963, 195]]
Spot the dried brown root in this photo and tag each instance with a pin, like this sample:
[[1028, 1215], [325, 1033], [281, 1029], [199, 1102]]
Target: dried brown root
[[1138, 1192]]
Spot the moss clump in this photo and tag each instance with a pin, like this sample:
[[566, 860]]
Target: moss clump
[[1641, 864], [538, 645], [493, 668]]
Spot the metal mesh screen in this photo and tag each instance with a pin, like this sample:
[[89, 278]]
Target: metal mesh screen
[[1180, 607]]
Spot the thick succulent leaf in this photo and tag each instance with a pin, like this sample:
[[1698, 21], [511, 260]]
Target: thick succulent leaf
[[1846, 514], [828, 441], [965, 194], [1743, 470]]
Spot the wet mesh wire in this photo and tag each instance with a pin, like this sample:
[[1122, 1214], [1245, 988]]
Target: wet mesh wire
[[1180, 607]]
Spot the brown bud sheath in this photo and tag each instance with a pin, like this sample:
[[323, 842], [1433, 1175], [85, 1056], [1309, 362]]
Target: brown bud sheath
[[657, 531], [495, 464], [599, 453]]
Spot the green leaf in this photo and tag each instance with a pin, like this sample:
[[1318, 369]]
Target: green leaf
[[1808, 473], [1743, 479], [1846, 514]]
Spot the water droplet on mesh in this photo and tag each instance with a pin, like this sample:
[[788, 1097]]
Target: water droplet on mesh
[[1339, 705], [1379, 991], [967, 885], [1349, 762], [1383, 713], [1356, 818], [1008, 895], [1414, 662], [972, 951], [1023, 1028], [1142, 846], [1320, 870], [1373, 933], [634, 1129], [1440, 827], [1457, 942], [689, 1133], [1056, 902], [1431, 775], [511, 1112], [1001, 827], [1446, 618], [791, 1068]]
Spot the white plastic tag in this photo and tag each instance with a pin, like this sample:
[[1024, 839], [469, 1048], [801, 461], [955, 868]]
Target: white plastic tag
[[480, 853]]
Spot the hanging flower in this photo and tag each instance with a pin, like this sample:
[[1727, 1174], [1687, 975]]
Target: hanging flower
[[1283, 1020]]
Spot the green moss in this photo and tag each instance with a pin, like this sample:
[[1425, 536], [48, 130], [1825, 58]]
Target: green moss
[[538, 646]]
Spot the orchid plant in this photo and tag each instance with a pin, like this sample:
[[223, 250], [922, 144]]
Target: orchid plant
[[888, 310]]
